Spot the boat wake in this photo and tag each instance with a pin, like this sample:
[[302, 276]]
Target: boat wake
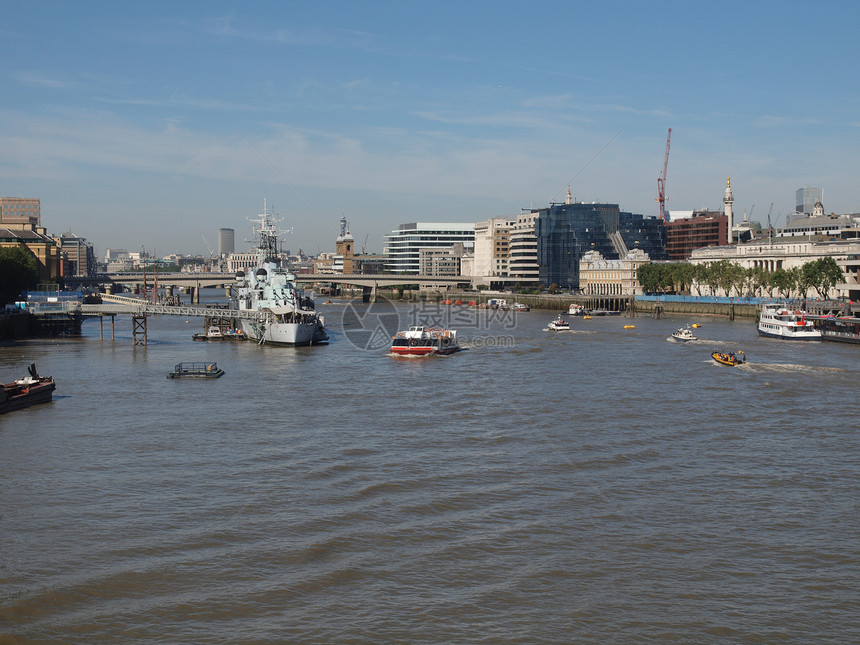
[[793, 367]]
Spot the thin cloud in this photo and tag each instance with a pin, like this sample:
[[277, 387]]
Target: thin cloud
[[41, 80], [772, 121], [211, 104]]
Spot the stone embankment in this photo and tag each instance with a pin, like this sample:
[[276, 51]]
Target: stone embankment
[[560, 302]]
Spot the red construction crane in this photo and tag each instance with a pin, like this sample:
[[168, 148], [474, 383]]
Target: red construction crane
[[661, 181]]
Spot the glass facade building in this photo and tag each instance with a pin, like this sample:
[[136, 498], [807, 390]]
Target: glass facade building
[[805, 199], [565, 232]]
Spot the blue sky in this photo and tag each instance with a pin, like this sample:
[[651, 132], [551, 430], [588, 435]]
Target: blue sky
[[154, 124]]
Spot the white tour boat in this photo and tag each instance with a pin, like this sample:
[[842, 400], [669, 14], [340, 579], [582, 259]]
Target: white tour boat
[[424, 341], [779, 321]]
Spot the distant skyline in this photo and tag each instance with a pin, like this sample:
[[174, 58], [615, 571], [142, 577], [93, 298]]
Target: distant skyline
[[155, 124]]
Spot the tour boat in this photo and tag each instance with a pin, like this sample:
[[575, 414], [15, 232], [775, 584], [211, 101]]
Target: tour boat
[[575, 310], [26, 391], [778, 321], [419, 340], [683, 335], [731, 358], [559, 324]]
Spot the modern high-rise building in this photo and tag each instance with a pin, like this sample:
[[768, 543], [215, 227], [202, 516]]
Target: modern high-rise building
[[20, 210], [523, 262], [226, 241], [805, 199], [403, 246], [567, 231]]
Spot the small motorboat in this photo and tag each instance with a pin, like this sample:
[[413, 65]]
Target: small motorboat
[[629, 326], [731, 358], [559, 324], [683, 335], [196, 370], [26, 391], [519, 306], [215, 333]]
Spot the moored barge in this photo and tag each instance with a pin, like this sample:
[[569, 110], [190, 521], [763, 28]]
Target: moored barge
[[24, 392]]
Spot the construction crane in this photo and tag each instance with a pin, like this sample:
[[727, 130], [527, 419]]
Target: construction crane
[[211, 252], [661, 181], [365, 243]]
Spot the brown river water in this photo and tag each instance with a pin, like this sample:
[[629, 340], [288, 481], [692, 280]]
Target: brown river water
[[597, 485]]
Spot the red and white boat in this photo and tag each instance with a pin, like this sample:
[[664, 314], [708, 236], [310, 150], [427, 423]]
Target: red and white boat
[[419, 340]]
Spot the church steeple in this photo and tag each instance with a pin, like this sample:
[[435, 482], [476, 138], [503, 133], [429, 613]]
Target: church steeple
[[345, 246]]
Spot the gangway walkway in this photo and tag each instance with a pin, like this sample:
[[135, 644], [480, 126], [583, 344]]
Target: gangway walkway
[[140, 309], [123, 305]]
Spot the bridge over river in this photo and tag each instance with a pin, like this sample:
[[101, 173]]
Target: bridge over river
[[369, 281]]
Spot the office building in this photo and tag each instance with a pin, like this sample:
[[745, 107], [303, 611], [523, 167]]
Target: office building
[[523, 263], [493, 247], [20, 210], [694, 230], [403, 246], [77, 257], [805, 199], [441, 262], [565, 232], [226, 241]]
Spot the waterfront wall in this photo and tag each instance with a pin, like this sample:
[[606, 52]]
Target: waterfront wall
[[639, 306], [14, 326], [690, 308]]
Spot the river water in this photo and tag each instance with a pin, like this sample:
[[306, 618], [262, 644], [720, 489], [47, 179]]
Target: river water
[[598, 485]]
